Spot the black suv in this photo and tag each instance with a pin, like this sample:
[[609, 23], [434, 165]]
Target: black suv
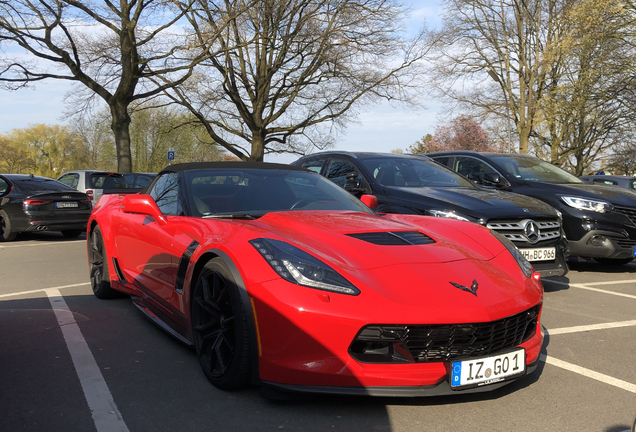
[[599, 221], [416, 185]]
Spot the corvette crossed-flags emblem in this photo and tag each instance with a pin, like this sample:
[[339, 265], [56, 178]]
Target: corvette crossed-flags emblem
[[473, 288]]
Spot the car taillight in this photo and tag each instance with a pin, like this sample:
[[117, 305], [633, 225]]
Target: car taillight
[[90, 194], [34, 202]]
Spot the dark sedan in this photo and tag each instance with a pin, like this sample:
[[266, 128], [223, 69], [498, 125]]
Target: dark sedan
[[32, 203]]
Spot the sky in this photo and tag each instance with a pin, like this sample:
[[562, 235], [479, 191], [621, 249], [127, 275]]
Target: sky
[[379, 128]]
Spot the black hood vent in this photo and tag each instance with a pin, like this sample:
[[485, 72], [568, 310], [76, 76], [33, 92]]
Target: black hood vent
[[398, 238]]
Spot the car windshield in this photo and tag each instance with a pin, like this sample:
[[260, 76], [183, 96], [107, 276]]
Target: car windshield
[[532, 169], [108, 181], [245, 193], [411, 172]]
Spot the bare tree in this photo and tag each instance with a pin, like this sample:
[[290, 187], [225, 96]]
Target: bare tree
[[113, 48], [287, 72], [496, 55]]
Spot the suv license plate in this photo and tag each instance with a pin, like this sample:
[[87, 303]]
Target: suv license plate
[[488, 370], [540, 254], [65, 204]]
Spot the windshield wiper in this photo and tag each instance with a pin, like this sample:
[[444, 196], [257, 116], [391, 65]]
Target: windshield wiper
[[246, 216]]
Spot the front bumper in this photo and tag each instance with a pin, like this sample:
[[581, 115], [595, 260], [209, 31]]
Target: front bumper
[[443, 388], [604, 244], [610, 235]]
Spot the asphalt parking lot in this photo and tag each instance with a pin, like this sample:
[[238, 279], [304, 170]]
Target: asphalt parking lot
[[71, 362]]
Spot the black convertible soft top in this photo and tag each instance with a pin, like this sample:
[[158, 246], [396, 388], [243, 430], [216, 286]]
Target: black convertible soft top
[[190, 166]]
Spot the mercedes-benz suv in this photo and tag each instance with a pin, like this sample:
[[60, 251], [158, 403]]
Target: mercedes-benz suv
[[416, 185]]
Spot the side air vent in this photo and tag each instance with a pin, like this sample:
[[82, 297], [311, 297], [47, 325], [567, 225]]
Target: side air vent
[[398, 238]]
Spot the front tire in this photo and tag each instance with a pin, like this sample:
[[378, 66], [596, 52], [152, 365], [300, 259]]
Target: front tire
[[614, 261], [98, 269], [5, 228], [219, 327]]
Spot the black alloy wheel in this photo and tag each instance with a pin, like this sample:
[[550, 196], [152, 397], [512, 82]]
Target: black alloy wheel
[[219, 327], [5, 228], [98, 266]]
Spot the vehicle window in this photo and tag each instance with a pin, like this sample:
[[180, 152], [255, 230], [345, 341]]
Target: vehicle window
[[472, 168], [315, 165], [217, 192], [70, 180], [443, 160], [411, 172], [4, 186], [338, 171], [107, 181], [41, 184], [142, 181], [604, 181], [631, 184], [532, 169], [166, 194]]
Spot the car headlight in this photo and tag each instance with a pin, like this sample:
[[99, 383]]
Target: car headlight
[[299, 267], [524, 264], [587, 204], [449, 214]]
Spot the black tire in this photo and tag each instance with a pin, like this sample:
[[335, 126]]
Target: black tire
[[98, 266], [614, 261], [72, 233], [5, 228], [219, 327]]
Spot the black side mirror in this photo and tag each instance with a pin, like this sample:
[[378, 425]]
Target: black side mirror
[[353, 183], [493, 179]]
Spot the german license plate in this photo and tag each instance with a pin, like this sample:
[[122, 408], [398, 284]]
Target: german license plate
[[65, 204], [488, 370], [539, 254]]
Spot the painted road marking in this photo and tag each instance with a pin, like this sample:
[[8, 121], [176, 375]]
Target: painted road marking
[[606, 379], [585, 287], [43, 289], [585, 328], [105, 414], [42, 244]]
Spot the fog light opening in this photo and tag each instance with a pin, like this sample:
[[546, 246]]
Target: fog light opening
[[597, 240]]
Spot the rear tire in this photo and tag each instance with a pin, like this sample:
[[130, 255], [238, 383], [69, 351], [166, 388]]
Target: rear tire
[[5, 228], [219, 327], [98, 267], [72, 233], [614, 261]]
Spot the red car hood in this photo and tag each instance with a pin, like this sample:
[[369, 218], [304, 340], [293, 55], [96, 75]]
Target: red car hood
[[324, 234], [414, 279]]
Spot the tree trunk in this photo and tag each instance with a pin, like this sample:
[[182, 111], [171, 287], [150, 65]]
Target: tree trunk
[[120, 126], [258, 148]]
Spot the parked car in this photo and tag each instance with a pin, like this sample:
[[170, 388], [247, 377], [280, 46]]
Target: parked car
[[93, 182], [599, 221], [139, 180], [278, 277], [416, 185], [33, 203], [613, 180]]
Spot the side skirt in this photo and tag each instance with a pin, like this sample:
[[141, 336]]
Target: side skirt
[[159, 319]]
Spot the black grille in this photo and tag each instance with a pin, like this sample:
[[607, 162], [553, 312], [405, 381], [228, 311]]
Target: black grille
[[398, 238], [627, 211], [447, 342]]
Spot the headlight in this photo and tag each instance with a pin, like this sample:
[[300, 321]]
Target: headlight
[[524, 264], [297, 266], [587, 204], [449, 214]]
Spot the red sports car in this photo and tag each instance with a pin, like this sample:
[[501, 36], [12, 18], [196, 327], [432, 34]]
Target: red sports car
[[280, 278]]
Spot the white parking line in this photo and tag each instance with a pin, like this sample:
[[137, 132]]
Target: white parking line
[[105, 414], [41, 244], [585, 328], [585, 287], [42, 289], [589, 373]]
